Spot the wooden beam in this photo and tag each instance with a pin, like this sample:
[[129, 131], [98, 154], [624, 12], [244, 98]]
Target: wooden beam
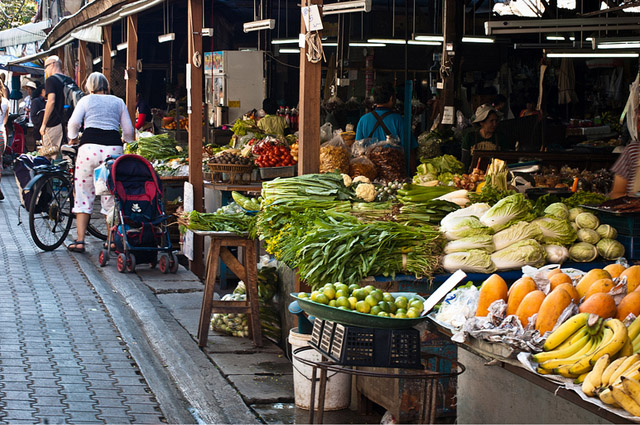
[[309, 115], [82, 63], [106, 52], [196, 61], [132, 58]]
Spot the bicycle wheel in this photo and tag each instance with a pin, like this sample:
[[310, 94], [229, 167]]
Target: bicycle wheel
[[50, 215], [97, 223]]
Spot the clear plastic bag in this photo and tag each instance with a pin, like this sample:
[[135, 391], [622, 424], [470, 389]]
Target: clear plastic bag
[[362, 166], [388, 157], [100, 177], [334, 155], [326, 132]]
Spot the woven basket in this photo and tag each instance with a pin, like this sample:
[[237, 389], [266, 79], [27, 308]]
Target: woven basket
[[234, 171]]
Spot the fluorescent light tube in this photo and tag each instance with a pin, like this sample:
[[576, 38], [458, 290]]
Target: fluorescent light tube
[[166, 37], [113, 53], [365, 44], [289, 50], [265, 24], [284, 41], [555, 37], [424, 43], [330, 44], [122, 46], [347, 7], [426, 37], [620, 45], [97, 60], [387, 40], [478, 40], [591, 55]]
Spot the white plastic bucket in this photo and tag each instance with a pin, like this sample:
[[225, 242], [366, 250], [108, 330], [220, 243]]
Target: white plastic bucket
[[338, 394]]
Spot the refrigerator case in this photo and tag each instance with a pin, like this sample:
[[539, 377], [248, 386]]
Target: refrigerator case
[[234, 80]]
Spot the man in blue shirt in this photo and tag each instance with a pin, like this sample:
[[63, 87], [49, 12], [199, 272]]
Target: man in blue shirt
[[383, 121]]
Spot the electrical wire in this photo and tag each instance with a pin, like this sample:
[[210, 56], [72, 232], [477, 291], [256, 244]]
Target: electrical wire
[[280, 62], [315, 52]]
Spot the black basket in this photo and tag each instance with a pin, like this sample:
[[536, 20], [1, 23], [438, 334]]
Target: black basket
[[354, 346]]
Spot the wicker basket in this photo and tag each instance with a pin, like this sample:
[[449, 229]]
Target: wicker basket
[[233, 171]]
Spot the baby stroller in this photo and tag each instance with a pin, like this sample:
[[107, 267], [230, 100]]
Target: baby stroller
[[138, 222]]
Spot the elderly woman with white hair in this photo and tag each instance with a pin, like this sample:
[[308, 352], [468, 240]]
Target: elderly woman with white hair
[[102, 115]]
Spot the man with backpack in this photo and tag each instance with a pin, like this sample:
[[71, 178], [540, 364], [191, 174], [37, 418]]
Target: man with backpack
[[51, 128]]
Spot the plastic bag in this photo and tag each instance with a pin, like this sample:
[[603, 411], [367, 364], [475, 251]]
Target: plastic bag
[[359, 147], [362, 166], [326, 132], [388, 158], [458, 306], [100, 177], [334, 155], [232, 324]]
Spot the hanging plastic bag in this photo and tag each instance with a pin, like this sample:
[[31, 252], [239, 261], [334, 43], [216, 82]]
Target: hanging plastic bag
[[100, 177], [388, 157], [326, 132], [334, 155], [362, 166]]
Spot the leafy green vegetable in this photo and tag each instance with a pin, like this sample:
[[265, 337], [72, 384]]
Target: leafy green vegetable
[[583, 252], [515, 233], [484, 242], [584, 198], [473, 261], [220, 222], [587, 220], [507, 211], [588, 236], [242, 127], [466, 226], [557, 210], [524, 253], [607, 231], [556, 254], [442, 164], [610, 249], [555, 231]]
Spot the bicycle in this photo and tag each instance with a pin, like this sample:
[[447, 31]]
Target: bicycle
[[50, 215]]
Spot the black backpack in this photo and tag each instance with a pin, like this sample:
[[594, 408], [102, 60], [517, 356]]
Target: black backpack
[[72, 95]]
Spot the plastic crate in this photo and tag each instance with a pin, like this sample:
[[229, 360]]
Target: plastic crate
[[354, 346], [625, 224], [273, 172], [631, 246]]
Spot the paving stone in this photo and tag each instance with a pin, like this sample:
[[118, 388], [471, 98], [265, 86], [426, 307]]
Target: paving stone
[[84, 417], [264, 389], [218, 343], [101, 394], [14, 416], [51, 419], [185, 308], [51, 411], [46, 391], [85, 396], [112, 402], [17, 405], [80, 406], [116, 419], [142, 408], [15, 395], [256, 363], [48, 401], [139, 418], [15, 386]]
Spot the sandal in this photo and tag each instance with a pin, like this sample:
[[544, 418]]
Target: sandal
[[76, 246]]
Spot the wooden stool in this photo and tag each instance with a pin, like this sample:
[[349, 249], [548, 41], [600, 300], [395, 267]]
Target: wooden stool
[[248, 273]]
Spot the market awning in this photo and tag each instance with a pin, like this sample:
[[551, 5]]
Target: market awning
[[92, 34], [27, 33]]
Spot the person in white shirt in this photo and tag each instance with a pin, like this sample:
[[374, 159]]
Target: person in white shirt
[[102, 115]]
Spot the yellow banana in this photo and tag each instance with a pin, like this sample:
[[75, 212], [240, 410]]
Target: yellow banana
[[625, 401], [634, 328], [561, 353], [629, 361], [631, 387], [554, 363], [565, 330], [580, 379], [542, 371], [630, 374], [594, 379], [571, 340], [610, 370], [627, 348], [606, 397], [611, 345], [567, 364], [636, 345]]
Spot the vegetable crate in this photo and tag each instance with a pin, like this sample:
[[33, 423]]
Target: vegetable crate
[[354, 346], [267, 173], [626, 224], [631, 246]]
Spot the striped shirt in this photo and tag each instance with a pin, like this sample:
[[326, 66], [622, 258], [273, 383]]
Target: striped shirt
[[626, 164]]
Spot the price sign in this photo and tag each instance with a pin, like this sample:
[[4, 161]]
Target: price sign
[[312, 20]]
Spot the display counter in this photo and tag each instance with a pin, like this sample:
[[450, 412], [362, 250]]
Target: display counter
[[581, 160], [495, 389]]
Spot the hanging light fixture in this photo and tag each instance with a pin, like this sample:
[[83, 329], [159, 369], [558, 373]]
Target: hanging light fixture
[[167, 36]]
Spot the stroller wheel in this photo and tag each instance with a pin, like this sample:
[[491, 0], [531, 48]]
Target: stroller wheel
[[173, 262], [163, 263], [131, 263], [121, 263], [103, 257]]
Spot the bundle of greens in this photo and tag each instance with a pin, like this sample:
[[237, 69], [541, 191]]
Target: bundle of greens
[[314, 187], [413, 193], [242, 127], [239, 223], [424, 213], [373, 211], [158, 146], [584, 198]]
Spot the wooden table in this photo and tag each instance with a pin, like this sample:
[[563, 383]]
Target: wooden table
[[248, 273]]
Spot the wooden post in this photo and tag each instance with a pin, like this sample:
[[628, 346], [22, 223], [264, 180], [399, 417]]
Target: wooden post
[[194, 76], [106, 52], [447, 94], [132, 58], [82, 63], [309, 115]]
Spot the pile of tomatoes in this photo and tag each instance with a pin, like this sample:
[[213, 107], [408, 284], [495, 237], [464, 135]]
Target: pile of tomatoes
[[272, 154]]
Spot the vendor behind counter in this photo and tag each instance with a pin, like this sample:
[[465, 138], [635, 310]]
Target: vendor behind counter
[[627, 177], [484, 135]]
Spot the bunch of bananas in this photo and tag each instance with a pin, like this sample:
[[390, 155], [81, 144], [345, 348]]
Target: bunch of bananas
[[574, 347]]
